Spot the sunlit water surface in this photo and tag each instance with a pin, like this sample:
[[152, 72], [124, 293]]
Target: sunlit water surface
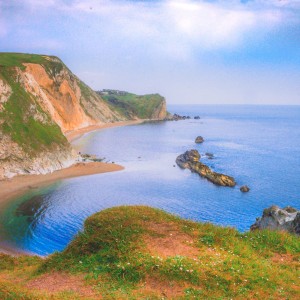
[[257, 145]]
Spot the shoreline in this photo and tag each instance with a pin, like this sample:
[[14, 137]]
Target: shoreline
[[19, 185], [73, 135]]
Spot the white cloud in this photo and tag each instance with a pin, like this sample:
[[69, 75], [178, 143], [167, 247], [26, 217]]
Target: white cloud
[[178, 27]]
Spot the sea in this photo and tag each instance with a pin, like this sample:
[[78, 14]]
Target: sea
[[258, 145]]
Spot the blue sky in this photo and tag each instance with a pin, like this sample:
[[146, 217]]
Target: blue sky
[[210, 52]]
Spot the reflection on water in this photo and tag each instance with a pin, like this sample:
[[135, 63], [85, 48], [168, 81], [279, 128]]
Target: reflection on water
[[259, 146]]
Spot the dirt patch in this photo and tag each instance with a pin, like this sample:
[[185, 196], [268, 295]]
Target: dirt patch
[[57, 282], [165, 290], [165, 239], [282, 258]]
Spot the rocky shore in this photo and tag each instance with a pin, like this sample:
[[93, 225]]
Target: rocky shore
[[275, 218], [190, 160]]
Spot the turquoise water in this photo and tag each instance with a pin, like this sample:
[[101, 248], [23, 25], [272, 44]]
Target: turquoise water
[[257, 145]]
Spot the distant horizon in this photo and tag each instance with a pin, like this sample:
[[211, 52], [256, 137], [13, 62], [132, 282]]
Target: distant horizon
[[244, 50]]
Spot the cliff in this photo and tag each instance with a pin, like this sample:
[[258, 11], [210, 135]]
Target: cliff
[[152, 106], [40, 100]]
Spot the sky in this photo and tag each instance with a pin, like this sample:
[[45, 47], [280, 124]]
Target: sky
[[191, 52]]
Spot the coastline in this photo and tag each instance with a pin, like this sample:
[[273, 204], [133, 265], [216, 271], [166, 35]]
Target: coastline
[[20, 184], [75, 134]]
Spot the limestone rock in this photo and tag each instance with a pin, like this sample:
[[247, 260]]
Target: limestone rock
[[190, 160], [275, 218]]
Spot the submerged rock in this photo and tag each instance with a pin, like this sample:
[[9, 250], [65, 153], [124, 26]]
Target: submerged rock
[[199, 139], [209, 155], [190, 160], [244, 189], [275, 218]]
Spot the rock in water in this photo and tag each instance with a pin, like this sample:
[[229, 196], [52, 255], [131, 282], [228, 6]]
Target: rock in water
[[199, 139], [209, 155], [275, 218], [190, 160], [244, 189]]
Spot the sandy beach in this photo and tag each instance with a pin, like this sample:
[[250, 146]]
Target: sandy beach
[[75, 134], [20, 184]]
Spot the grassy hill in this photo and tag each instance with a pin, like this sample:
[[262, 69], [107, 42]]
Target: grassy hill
[[132, 105], [137, 252]]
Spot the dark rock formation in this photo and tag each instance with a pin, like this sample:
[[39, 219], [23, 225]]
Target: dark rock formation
[[199, 139], [275, 218], [209, 155], [244, 189], [176, 117], [190, 160], [197, 118]]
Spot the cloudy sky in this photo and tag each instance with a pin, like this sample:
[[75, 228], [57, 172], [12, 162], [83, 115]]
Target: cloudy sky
[[210, 52]]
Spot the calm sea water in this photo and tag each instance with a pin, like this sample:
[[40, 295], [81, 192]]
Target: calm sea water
[[257, 145]]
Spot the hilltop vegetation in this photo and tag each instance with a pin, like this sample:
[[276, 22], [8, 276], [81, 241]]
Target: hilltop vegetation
[[132, 105], [138, 252]]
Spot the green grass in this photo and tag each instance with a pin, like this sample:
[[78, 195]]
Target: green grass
[[52, 64], [219, 263], [17, 119], [130, 105]]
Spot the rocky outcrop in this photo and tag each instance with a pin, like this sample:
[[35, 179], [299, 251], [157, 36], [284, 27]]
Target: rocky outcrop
[[190, 160], [244, 189], [199, 140], [176, 117], [275, 218]]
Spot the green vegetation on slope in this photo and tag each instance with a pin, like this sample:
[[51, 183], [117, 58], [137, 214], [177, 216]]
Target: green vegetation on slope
[[138, 252], [17, 117], [52, 64], [131, 105]]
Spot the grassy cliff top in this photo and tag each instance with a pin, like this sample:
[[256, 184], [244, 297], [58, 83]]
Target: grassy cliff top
[[9, 59], [130, 104], [137, 252]]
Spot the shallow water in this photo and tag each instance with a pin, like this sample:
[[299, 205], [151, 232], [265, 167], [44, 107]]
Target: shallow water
[[257, 145]]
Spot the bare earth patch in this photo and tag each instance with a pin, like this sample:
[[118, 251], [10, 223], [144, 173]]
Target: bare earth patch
[[165, 239], [166, 290], [58, 282]]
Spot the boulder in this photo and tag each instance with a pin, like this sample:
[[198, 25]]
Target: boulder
[[244, 189], [199, 139], [275, 218], [190, 160], [196, 117]]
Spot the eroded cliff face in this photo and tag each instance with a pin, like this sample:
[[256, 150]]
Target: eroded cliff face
[[41, 100], [70, 103]]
